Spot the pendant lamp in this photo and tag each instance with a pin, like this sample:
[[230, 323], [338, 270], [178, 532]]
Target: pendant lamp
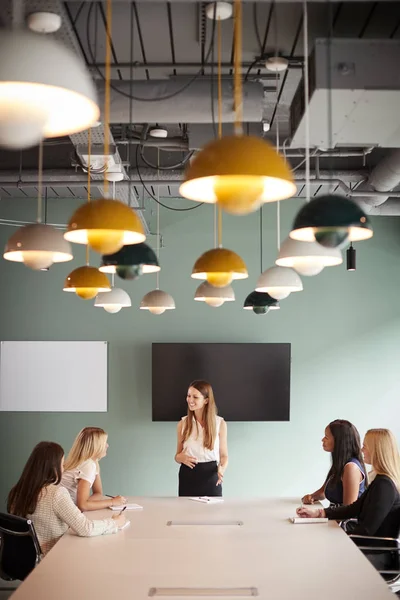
[[260, 303], [238, 172], [131, 261], [157, 302], [214, 296], [332, 221], [45, 90], [279, 282], [38, 245], [307, 258], [105, 225], [86, 282], [113, 301]]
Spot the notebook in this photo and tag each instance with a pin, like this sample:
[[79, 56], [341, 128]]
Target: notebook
[[207, 499], [128, 507], [305, 521]]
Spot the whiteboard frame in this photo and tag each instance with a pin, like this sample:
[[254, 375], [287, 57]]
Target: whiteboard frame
[[55, 376]]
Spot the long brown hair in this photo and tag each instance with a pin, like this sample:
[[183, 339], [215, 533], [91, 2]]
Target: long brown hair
[[42, 469], [89, 443], [210, 411], [384, 452]]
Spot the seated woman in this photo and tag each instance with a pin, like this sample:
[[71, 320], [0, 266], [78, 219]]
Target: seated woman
[[378, 509], [39, 497], [347, 477], [82, 473]]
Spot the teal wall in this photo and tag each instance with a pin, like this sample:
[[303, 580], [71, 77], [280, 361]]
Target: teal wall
[[344, 330]]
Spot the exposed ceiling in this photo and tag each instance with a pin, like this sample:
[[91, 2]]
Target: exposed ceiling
[[170, 42]]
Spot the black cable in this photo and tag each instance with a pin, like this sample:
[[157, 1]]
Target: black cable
[[256, 30], [169, 168], [152, 195], [158, 99], [255, 61]]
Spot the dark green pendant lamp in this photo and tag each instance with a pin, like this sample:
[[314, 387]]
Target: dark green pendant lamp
[[260, 303], [131, 261], [332, 221]]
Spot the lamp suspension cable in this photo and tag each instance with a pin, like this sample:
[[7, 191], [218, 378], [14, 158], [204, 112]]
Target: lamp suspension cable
[[158, 224], [217, 208], [89, 182], [277, 142], [40, 184], [261, 238], [107, 91], [238, 95], [306, 102]]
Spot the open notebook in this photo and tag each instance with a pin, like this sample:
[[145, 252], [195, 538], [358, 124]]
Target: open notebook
[[128, 507], [207, 499], [306, 520]]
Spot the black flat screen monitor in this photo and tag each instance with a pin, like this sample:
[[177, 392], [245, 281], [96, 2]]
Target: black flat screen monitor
[[251, 382]]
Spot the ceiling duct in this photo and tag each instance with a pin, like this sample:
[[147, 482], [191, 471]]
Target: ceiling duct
[[192, 105], [383, 178], [354, 95]]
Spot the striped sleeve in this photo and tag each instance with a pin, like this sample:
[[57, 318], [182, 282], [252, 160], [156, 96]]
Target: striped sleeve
[[70, 514]]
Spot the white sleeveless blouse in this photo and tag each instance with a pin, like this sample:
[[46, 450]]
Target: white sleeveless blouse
[[194, 445]]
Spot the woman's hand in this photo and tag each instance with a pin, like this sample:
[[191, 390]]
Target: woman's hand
[[187, 460], [118, 501], [308, 499], [310, 513], [120, 520], [220, 475]]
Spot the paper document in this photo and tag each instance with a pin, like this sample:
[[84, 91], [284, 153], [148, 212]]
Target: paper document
[[128, 507], [207, 499], [305, 521], [124, 526]]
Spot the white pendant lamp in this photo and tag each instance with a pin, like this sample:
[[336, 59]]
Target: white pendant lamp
[[38, 245], [214, 296], [307, 258], [45, 90], [113, 301], [279, 282]]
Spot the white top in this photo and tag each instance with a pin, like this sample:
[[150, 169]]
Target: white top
[[194, 445], [55, 512], [88, 471]]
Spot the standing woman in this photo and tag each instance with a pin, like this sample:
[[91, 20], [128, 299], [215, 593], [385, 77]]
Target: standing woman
[[202, 449]]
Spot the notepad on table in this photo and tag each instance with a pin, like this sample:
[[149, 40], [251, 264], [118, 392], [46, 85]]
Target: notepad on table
[[207, 499], [128, 507], [306, 521]]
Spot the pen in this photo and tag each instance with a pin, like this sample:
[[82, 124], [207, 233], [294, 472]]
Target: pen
[[122, 511]]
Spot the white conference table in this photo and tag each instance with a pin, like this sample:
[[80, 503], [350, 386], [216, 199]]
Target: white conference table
[[208, 549]]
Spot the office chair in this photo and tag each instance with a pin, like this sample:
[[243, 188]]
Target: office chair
[[19, 547], [384, 555]]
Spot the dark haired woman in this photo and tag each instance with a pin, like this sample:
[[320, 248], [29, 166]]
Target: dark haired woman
[[39, 497], [202, 449], [347, 477]]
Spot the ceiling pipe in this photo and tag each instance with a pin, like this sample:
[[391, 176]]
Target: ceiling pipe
[[376, 190]]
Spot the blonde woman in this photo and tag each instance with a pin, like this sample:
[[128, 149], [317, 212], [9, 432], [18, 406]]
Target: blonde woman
[[202, 449], [82, 474], [378, 509], [39, 497]]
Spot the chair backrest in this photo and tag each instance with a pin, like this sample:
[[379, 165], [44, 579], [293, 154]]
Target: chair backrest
[[19, 547]]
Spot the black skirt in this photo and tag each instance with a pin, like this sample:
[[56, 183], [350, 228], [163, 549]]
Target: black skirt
[[199, 481]]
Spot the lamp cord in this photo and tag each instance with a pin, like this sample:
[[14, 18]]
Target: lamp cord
[[89, 182], [40, 184], [107, 90], [158, 225], [261, 238], [219, 79], [306, 102], [238, 91], [277, 143]]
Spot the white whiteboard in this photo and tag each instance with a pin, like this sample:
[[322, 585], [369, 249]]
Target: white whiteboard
[[53, 376]]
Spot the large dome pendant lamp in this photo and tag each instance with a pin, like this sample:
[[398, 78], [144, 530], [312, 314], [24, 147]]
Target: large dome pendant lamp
[[105, 224], [238, 172], [45, 90], [157, 301], [38, 245], [86, 282], [332, 220]]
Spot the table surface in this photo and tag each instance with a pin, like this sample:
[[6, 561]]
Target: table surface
[[208, 549]]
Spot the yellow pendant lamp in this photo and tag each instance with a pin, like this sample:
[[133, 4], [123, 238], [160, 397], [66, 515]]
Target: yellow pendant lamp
[[86, 282], [104, 224], [238, 172]]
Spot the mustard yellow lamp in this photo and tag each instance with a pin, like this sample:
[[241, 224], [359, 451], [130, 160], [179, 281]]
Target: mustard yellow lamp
[[219, 267], [240, 173], [105, 225], [86, 282]]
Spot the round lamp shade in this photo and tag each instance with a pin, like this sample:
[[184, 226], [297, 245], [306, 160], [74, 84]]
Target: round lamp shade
[[38, 246], [131, 261], [157, 302], [307, 258], [260, 303], [219, 267], [238, 172], [106, 225], [214, 296], [332, 221], [279, 282], [45, 90], [113, 301], [86, 282]]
